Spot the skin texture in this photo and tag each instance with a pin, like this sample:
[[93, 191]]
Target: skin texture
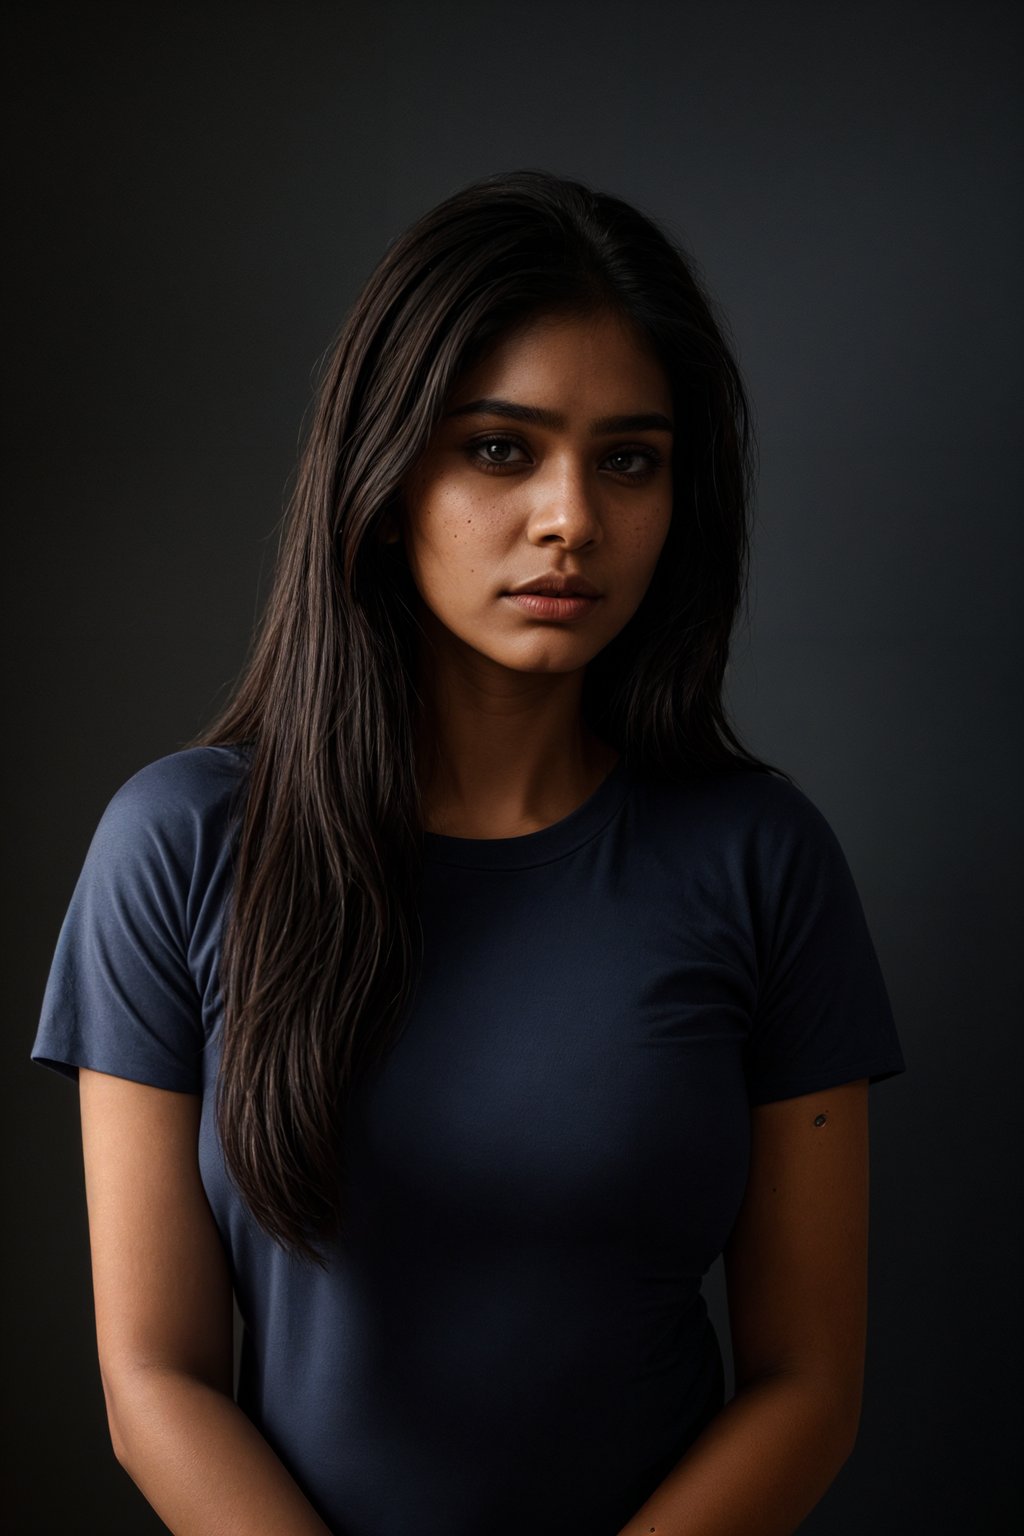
[[504, 687]]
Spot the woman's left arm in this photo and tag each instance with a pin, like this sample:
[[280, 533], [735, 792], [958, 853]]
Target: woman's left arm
[[796, 1281]]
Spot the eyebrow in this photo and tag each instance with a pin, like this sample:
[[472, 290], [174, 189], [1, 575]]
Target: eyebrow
[[536, 415]]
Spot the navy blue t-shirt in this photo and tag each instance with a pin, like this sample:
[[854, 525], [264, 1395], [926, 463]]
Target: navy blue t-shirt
[[512, 1337]]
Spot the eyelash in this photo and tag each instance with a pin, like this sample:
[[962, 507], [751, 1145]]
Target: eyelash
[[473, 449]]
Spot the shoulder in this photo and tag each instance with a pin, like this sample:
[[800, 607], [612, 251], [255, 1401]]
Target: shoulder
[[751, 834], [742, 805], [175, 810], [181, 784]]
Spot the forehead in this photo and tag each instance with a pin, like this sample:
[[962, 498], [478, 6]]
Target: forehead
[[561, 359]]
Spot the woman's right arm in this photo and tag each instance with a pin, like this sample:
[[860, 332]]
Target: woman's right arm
[[163, 1302]]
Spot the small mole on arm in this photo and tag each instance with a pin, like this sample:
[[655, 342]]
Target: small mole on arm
[[820, 1119]]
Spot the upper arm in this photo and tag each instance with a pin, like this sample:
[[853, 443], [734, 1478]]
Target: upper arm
[[161, 1280], [796, 1260]]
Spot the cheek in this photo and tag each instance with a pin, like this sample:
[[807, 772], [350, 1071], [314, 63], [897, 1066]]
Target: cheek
[[639, 542], [453, 536]]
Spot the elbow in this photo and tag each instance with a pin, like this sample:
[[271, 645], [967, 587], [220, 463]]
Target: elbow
[[843, 1412], [848, 1404], [837, 1415], [120, 1410], [115, 1422], [118, 1447], [850, 1430], [829, 1402]]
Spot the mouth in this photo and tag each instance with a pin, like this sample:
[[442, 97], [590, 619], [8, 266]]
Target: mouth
[[552, 605], [556, 584]]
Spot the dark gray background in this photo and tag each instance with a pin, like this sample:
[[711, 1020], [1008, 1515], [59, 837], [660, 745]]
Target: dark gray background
[[198, 193]]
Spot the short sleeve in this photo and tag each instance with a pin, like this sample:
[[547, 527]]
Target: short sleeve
[[823, 1015], [119, 997]]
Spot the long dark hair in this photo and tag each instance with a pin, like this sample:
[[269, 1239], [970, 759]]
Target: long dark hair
[[322, 940]]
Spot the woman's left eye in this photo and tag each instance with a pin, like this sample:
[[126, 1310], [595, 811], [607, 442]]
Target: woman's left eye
[[650, 459]]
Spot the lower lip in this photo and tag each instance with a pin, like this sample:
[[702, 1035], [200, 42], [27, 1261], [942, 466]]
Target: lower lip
[[542, 607]]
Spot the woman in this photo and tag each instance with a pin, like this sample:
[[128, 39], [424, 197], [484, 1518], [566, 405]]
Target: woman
[[467, 988]]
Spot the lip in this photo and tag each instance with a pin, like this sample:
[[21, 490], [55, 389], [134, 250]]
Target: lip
[[544, 605], [557, 584]]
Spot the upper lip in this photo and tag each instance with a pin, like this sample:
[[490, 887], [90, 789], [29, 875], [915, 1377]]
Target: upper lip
[[555, 584]]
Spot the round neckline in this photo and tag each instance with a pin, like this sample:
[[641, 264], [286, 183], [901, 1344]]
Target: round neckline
[[540, 847]]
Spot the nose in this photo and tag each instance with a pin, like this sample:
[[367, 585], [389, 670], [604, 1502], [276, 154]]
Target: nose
[[566, 507]]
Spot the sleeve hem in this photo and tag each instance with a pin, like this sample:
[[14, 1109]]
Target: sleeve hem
[[68, 1065], [833, 1077]]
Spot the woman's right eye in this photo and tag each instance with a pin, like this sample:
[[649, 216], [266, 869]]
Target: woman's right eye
[[479, 451]]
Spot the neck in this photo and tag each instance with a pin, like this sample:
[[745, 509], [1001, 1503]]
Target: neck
[[501, 754]]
